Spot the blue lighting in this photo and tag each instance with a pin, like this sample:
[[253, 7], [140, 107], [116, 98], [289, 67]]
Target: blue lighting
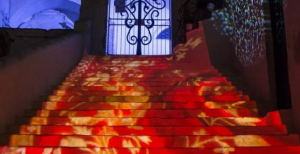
[[165, 34], [39, 14], [126, 32]]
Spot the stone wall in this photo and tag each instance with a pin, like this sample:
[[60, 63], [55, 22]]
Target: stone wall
[[26, 77], [292, 21]]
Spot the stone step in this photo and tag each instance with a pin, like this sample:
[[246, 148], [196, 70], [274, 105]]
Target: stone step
[[94, 121], [147, 88], [149, 105], [139, 68], [176, 79], [145, 83], [146, 93], [146, 70], [148, 75], [151, 131], [162, 113], [142, 76], [168, 98], [79, 150], [194, 141], [143, 63]]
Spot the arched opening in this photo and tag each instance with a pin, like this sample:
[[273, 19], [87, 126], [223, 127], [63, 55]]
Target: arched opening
[[46, 14]]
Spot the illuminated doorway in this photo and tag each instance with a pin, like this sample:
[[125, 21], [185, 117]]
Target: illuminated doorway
[[139, 27]]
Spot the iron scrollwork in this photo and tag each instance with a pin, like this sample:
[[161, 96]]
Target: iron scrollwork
[[133, 14]]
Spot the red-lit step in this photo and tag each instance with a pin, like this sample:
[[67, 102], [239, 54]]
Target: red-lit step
[[148, 105], [144, 93], [146, 83], [135, 141], [201, 121], [151, 113], [231, 150], [221, 79], [95, 98], [116, 79], [150, 75], [146, 88], [152, 131]]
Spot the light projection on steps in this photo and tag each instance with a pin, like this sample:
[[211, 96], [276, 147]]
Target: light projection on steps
[[139, 27], [39, 14], [243, 21], [149, 105]]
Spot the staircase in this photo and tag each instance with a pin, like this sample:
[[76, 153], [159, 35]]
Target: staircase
[[150, 105]]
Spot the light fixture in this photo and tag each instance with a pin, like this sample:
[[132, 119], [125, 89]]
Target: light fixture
[[211, 7]]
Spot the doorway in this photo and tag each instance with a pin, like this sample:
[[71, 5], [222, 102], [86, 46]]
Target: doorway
[[139, 27]]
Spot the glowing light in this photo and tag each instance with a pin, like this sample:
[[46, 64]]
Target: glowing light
[[149, 105], [243, 21], [39, 14], [123, 40]]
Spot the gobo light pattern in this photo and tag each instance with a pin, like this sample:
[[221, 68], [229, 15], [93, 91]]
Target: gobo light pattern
[[147, 105], [243, 21]]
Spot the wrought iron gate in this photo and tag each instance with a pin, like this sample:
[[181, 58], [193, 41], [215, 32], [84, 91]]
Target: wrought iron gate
[[139, 27]]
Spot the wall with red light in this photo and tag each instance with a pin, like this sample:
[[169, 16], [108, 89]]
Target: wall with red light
[[25, 78], [292, 21]]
